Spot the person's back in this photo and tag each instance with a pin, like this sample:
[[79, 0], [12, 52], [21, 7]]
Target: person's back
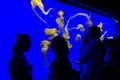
[[93, 58], [19, 68], [60, 68]]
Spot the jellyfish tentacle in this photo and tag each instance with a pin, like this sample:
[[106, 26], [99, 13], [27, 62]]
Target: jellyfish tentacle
[[45, 12], [72, 17], [39, 16]]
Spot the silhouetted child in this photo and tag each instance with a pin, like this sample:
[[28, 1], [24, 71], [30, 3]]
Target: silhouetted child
[[19, 68], [61, 68], [92, 57]]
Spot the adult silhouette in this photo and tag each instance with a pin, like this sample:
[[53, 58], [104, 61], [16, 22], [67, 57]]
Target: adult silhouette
[[60, 68], [19, 68]]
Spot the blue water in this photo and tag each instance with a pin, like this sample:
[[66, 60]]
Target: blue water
[[18, 17]]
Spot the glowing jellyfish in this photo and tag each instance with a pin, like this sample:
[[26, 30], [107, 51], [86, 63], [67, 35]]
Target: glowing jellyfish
[[89, 22], [51, 32], [69, 44], [78, 37], [39, 3], [61, 13], [60, 20], [80, 27], [44, 46], [66, 35], [100, 26]]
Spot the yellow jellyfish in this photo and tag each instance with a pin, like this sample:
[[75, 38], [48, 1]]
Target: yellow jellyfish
[[39, 3], [51, 32], [100, 26], [78, 37], [35, 3], [69, 44], [66, 35], [60, 22], [89, 22], [101, 38], [82, 29], [44, 45], [60, 13]]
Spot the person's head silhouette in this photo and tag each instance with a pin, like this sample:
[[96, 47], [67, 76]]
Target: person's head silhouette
[[22, 44], [94, 32], [59, 46]]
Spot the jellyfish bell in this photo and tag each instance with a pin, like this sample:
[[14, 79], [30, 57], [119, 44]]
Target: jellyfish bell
[[79, 26], [82, 29], [44, 48], [45, 43], [37, 3], [78, 37], [60, 22], [100, 26], [49, 31], [61, 13], [89, 22]]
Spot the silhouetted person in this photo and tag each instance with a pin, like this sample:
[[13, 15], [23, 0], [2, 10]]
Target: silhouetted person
[[85, 41], [60, 68], [111, 62], [92, 58], [19, 68]]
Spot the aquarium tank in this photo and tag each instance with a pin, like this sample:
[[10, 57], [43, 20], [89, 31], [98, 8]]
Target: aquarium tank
[[42, 20]]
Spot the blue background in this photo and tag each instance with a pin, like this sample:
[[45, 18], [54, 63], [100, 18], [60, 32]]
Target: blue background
[[18, 17]]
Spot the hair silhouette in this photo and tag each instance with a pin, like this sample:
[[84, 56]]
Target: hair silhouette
[[60, 47], [22, 43], [94, 32]]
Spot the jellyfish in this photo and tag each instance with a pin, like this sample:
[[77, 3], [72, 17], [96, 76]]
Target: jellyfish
[[100, 26], [69, 44], [51, 32], [44, 46], [80, 27], [66, 35], [78, 37], [39, 3], [35, 3], [89, 22], [60, 21]]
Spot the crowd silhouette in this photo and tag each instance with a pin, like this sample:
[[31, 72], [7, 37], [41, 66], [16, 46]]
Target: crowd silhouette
[[93, 62]]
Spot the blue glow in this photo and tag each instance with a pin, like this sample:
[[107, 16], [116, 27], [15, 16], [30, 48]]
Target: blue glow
[[18, 17]]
